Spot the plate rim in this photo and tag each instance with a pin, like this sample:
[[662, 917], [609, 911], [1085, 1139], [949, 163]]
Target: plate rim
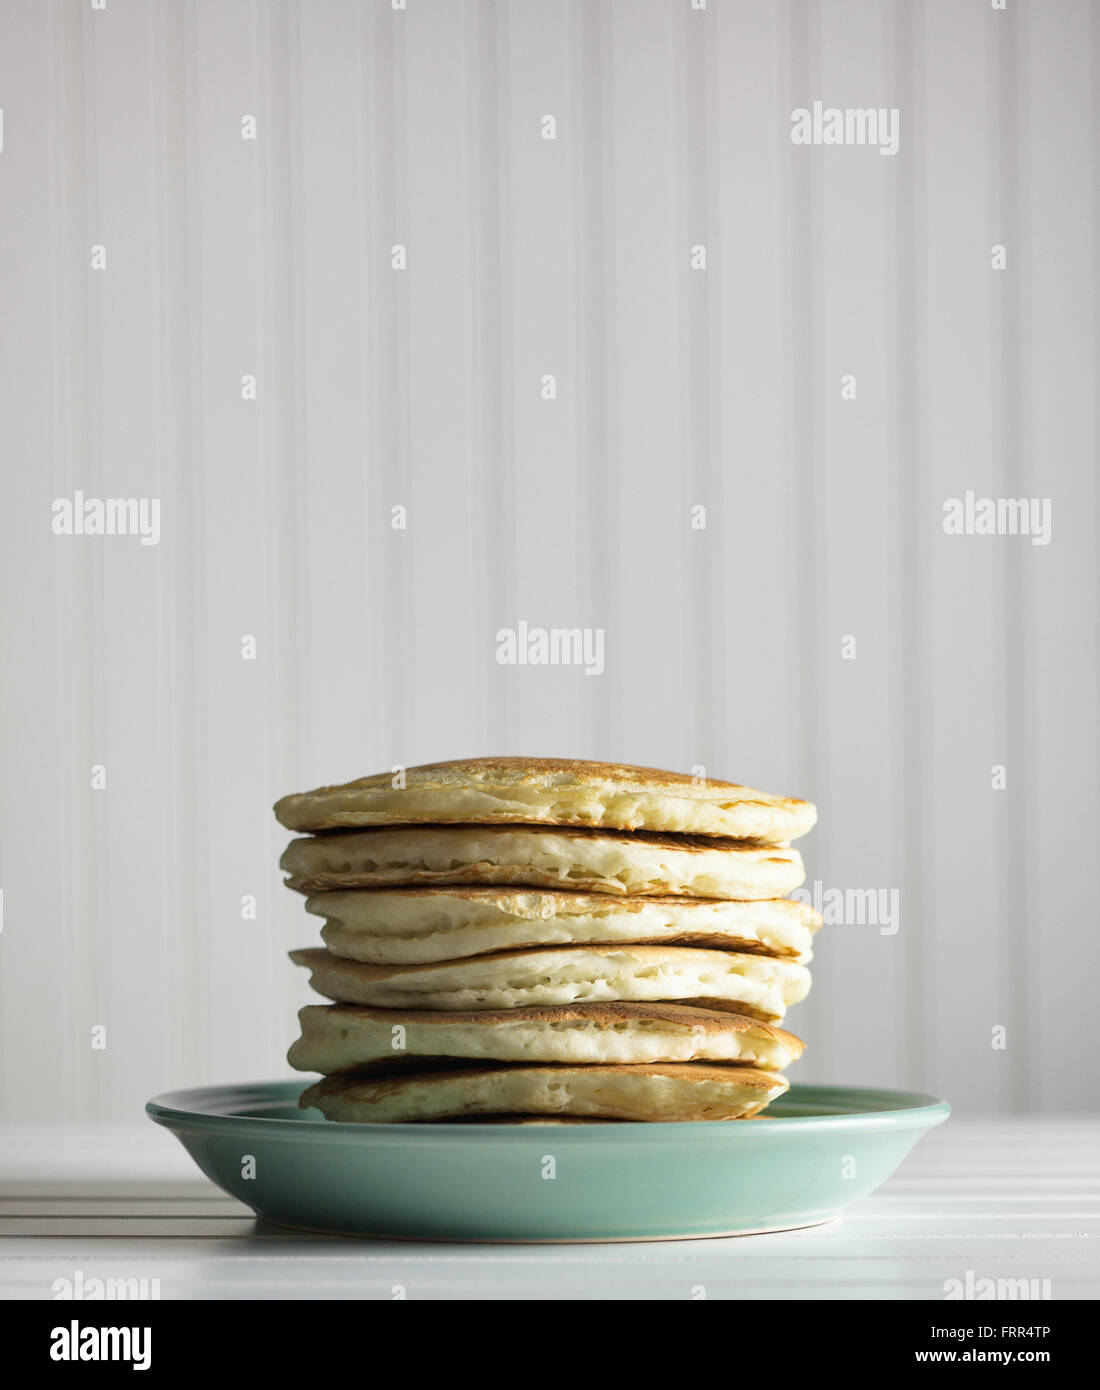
[[170, 1109]]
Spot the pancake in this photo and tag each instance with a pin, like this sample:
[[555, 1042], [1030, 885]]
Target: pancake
[[347, 1037], [668, 1092], [760, 986], [551, 791], [593, 861], [410, 926], [526, 1120]]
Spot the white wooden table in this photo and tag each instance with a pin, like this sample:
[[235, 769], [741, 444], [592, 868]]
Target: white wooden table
[[1011, 1200]]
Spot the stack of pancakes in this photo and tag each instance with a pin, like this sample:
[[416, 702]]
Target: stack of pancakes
[[537, 938]]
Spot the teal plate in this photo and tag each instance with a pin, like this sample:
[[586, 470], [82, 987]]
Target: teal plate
[[819, 1149]]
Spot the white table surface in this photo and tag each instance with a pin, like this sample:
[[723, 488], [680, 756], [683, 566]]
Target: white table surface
[[1017, 1200]]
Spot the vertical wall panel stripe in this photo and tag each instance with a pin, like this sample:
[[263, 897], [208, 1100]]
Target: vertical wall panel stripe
[[194, 673], [169, 1020], [594, 57], [386, 175], [712, 627], [547, 466], [68, 791], [800, 43], [377, 357], [1060, 657], [92, 620], [701, 473], [964, 704], [919, 943], [1009, 330], [757, 694], [182, 947], [493, 464]]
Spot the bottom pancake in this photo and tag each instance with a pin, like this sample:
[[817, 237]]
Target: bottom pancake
[[529, 1120], [659, 1092]]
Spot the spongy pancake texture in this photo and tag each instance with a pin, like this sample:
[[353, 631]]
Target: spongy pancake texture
[[669, 1092], [586, 860], [341, 1038], [760, 986], [551, 791], [412, 926]]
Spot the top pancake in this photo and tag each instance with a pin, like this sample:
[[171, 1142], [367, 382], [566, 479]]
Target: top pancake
[[551, 791]]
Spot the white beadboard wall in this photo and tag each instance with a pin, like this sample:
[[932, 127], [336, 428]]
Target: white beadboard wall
[[421, 388]]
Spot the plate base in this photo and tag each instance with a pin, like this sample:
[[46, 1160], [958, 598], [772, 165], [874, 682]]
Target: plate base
[[822, 1149], [542, 1240]]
